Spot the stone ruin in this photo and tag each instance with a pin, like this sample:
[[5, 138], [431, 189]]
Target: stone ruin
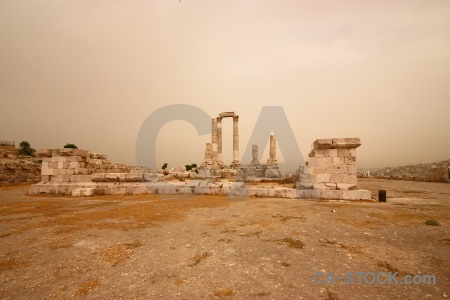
[[328, 174], [213, 164], [432, 172], [16, 168]]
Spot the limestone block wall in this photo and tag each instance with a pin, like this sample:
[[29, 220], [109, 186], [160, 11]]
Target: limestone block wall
[[331, 165], [330, 171], [76, 165]]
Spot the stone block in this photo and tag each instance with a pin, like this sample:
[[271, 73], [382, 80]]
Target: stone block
[[45, 178], [352, 170], [338, 160], [74, 164], [313, 161], [345, 186], [315, 153], [350, 160], [59, 159], [350, 179], [70, 171], [121, 177], [337, 178], [325, 161], [277, 193], [44, 165], [365, 194], [319, 186], [330, 153], [192, 183], [300, 194], [47, 172], [304, 185], [75, 178], [337, 195], [323, 144], [53, 165], [291, 193], [134, 177], [337, 169], [346, 143], [311, 194], [100, 177], [319, 169], [322, 178], [351, 195], [343, 152], [262, 192], [330, 186], [44, 153], [153, 177], [112, 177], [327, 195]]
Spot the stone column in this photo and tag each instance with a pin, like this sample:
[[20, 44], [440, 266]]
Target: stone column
[[255, 159], [272, 150], [235, 140], [214, 139], [219, 139], [208, 153]]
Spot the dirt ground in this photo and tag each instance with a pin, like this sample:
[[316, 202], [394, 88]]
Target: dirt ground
[[194, 247]]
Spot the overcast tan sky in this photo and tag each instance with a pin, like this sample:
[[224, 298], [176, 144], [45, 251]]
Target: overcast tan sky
[[90, 72]]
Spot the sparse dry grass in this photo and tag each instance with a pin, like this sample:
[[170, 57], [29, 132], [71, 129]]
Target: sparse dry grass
[[198, 258], [87, 286], [291, 243]]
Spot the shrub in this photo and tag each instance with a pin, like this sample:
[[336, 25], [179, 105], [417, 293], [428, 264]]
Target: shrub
[[25, 149], [70, 146]]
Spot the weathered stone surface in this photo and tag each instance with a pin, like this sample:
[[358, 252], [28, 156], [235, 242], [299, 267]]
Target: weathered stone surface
[[346, 143], [273, 173], [134, 177], [323, 144]]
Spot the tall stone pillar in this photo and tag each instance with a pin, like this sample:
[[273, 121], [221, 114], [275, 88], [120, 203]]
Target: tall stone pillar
[[214, 139], [255, 159], [219, 139], [235, 140], [272, 150]]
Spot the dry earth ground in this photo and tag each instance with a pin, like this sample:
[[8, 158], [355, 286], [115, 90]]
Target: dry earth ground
[[181, 247]]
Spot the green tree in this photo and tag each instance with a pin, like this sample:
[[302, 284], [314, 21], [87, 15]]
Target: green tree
[[164, 166], [193, 166], [70, 146], [188, 167], [25, 149]]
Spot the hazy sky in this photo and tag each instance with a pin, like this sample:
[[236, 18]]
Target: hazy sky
[[90, 72]]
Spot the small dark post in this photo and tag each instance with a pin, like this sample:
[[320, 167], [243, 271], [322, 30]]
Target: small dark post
[[382, 196]]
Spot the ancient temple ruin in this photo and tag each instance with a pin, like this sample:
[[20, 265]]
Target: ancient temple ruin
[[329, 173], [213, 164]]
